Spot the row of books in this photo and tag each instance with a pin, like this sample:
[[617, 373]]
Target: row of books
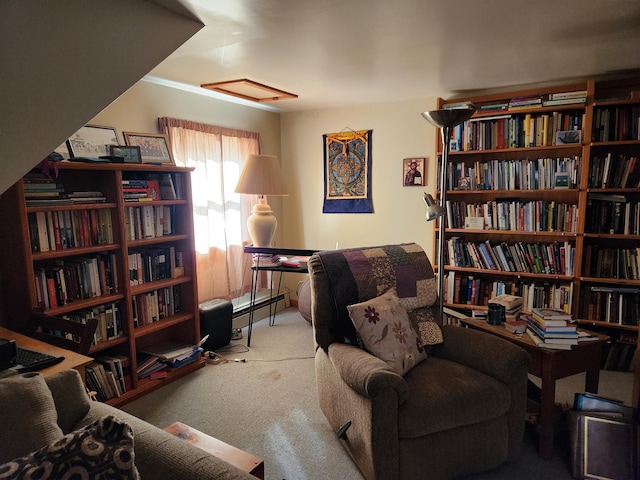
[[69, 228], [619, 305], [555, 258], [470, 289], [603, 262], [614, 171], [153, 187], [74, 279], [40, 190], [149, 221], [109, 320], [153, 306], [167, 355], [155, 263], [109, 376], [516, 174], [619, 356], [531, 216], [517, 131], [619, 123], [612, 214]]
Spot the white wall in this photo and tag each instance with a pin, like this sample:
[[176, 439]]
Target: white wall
[[399, 131]]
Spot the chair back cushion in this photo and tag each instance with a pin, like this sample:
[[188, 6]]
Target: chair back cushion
[[345, 277]]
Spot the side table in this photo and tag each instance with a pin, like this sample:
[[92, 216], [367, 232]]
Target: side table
[[257, 268], [551, 365], [230, 454]]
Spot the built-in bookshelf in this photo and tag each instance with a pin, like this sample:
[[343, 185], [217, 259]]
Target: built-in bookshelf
[[109, 241], [543, 201]]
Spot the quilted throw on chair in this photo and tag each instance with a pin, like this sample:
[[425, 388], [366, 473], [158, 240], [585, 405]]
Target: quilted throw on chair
[[357, 275]]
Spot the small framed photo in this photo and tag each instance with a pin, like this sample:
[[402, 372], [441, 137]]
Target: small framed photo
[[413, 172], [92, 141], [566, 137], [131, 154], [154, 147]]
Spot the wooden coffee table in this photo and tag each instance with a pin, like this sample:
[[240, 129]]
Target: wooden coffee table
[[550, 365], [230, 454]]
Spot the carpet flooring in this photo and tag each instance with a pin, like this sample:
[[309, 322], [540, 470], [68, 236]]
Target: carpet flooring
[[265, 403]]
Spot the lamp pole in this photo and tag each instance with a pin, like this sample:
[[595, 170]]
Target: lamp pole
[[445, 119]]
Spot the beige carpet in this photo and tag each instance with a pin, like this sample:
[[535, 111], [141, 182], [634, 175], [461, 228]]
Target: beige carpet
[[268, 406]]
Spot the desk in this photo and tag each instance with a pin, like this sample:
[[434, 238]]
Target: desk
[[550, 365], [71, 360], [257, 268]]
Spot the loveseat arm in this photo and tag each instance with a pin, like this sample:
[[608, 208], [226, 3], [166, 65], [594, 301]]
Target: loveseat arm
[[365, 373], [481, 351]]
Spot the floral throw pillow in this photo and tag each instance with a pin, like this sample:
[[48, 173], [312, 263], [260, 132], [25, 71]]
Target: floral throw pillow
[[386, 331]]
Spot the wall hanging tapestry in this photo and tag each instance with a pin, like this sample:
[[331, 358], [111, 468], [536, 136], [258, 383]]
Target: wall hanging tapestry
[[347, 172]]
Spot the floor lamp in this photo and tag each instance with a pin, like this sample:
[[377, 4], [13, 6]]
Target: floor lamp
[[445, 120]]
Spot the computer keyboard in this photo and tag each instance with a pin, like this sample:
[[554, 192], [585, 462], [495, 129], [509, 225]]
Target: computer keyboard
[[31, 361]]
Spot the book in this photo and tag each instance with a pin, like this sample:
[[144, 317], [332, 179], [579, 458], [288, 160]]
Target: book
[[542, 344], [509, 302], [552, 314]]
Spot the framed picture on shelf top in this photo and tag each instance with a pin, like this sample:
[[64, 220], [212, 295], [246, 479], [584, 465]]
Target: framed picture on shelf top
[[92, 141], [130, 154], [154, 147], [413, 172]]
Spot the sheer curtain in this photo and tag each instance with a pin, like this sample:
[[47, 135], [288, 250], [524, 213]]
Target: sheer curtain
[[217, 155]]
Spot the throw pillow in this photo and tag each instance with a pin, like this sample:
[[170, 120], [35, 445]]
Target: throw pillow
[[102, 450], [28, 416], [386, 331]]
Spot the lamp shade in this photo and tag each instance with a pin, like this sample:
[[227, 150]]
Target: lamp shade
[[449, 117], [262, 175]]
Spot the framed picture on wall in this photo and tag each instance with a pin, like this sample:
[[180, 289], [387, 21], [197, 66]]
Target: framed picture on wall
[[154, 147], [92, 141], [413, 172]]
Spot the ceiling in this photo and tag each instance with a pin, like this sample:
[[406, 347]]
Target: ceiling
[[334, 53]]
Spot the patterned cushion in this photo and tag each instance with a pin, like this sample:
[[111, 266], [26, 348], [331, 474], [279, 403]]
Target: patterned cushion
[[386, 331], [102, 450], [28, 417]]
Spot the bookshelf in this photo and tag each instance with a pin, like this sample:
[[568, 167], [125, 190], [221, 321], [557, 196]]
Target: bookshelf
[[551, 177], [130, 263]]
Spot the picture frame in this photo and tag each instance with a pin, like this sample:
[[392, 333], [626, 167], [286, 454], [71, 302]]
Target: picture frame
[[92, 141], [413, 177], [154, 147], [130, 153]]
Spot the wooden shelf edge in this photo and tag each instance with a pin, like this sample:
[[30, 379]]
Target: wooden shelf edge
[[147, 385]]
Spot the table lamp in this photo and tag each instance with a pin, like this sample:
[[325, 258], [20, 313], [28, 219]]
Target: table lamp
[[445, 119], [262, 176]]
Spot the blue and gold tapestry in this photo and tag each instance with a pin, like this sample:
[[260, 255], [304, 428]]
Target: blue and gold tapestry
[[347, 172]]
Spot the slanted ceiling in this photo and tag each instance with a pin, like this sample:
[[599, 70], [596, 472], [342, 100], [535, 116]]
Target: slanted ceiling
[[63, 61]]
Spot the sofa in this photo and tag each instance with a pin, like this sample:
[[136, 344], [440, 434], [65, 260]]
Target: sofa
[[408, 397], [50, 425]]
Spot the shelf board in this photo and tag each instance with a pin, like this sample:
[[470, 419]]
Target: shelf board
[[74, 251], [82, 304], [161, 324]]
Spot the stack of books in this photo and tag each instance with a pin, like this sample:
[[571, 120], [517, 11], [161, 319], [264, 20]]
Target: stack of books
[[525, 102], [512, 305], [140, 190], [551, 328], [566, 98], [266, 260]]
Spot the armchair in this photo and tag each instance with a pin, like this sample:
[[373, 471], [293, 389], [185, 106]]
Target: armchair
[[458, 411]]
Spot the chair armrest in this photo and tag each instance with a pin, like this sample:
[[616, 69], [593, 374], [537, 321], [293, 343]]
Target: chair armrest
[[365, 373], [487, 353]]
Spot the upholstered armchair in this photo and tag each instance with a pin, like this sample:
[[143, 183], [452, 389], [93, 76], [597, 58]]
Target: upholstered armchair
[[450, 405]]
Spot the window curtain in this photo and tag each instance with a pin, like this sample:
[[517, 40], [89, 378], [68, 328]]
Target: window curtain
[[217, 155]]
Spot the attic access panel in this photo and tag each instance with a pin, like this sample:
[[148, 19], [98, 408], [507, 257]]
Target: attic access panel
[[249, 90]]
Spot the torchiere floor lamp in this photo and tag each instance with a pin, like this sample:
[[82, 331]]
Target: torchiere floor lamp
[[445, 120]]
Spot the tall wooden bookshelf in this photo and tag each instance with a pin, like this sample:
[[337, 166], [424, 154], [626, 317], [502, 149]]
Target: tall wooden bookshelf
[[111, 234], [571, 199]]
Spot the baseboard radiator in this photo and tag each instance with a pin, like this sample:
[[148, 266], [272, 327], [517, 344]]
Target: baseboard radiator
[[264, 300]]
